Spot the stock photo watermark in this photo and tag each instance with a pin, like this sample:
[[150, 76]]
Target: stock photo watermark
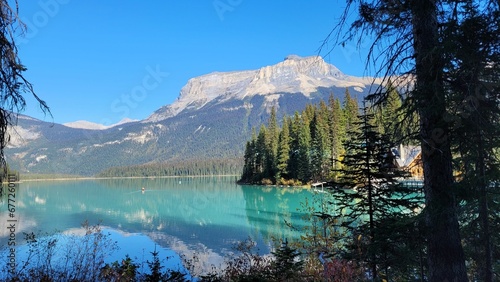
[[224, 6], [121, 106], [140, 92], [40, 19], [12, 222]]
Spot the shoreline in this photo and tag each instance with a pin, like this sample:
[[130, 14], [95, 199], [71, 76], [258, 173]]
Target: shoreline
[[21, 180]]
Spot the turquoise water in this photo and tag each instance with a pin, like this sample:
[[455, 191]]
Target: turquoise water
[[189, 216]]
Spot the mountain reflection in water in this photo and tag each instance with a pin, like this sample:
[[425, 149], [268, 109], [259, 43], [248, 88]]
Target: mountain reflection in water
[[202, 216]]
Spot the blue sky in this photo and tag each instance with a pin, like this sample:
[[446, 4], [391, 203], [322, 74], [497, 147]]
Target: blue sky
[[103, 61]]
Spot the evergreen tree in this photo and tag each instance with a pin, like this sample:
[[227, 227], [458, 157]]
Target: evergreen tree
[[474, 113], [419, 47], [249, 162], [249, 166], [283, 150], [125, 271], [337, 132], [287, 265], [303, 151], [388, 113], [293, 162], [324, 113], [272, 145], [157, 275], [351, 112], [261, 153], [370, 200], [272, 135], [308, 113], [319, 148], [13, 84]]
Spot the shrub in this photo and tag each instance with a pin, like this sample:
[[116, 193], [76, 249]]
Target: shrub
[[266, 181], [65, 257], [124, 272]]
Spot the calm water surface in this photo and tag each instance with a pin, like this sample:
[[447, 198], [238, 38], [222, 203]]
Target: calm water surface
[[198, 215]]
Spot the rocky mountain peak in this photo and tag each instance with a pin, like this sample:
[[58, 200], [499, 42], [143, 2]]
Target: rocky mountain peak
[[294, 74], [312, 66]]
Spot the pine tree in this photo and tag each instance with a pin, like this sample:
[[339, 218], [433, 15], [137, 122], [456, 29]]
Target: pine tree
[[156, 269], [369, 199], [308, 113], [13, 84], [319, 148], [324, 113], [287, 265], [389, 118], [303, 151], [293, 162], [283, 150], [271, 145], [337, 130], [249, 166], [261, 153], [350, 111], [249, 162], [419, 47], [475, 111]]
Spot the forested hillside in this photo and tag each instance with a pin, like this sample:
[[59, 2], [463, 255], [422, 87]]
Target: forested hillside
[[211, 120], [180, 168], [309, 145]]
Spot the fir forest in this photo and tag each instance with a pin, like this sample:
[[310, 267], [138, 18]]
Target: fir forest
[[370, 215], [309, 146], [395, 179], [453, 47]]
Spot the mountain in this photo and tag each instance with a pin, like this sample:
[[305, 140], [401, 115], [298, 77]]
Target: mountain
[[211, 119], [83, 124], [307, 76]]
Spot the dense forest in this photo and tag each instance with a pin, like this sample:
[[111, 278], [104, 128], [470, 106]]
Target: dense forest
[[371, 216], [224, 166], [309, 145]]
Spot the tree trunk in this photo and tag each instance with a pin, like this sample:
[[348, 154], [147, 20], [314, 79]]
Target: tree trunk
[[445, 254], [487, 269]]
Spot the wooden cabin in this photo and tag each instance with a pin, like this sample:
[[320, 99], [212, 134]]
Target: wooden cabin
[[409, 158]]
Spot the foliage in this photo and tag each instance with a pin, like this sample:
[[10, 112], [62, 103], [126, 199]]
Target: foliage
[[472, 76], [320, 245], [179, 168], [33, 176], [308, 145], [370, 203], [126, 271], [284, 264], [71, 257], [65, 257], [156, 274], [13, 85], [449, 51], [246, 264], [287, 263]]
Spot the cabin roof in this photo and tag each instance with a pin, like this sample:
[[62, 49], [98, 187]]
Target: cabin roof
[[406, 154]]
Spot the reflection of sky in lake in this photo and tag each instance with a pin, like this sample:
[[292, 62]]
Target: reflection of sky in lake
[[139, 247], [202, 216]]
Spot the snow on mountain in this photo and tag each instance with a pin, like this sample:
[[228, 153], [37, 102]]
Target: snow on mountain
[[83, 124], [293, 75]]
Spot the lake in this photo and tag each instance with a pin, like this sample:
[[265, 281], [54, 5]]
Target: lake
[[202, 216]]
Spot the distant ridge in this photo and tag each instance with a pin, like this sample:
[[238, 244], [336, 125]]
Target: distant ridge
[[294, 74], [83, 124], [210, 121]]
